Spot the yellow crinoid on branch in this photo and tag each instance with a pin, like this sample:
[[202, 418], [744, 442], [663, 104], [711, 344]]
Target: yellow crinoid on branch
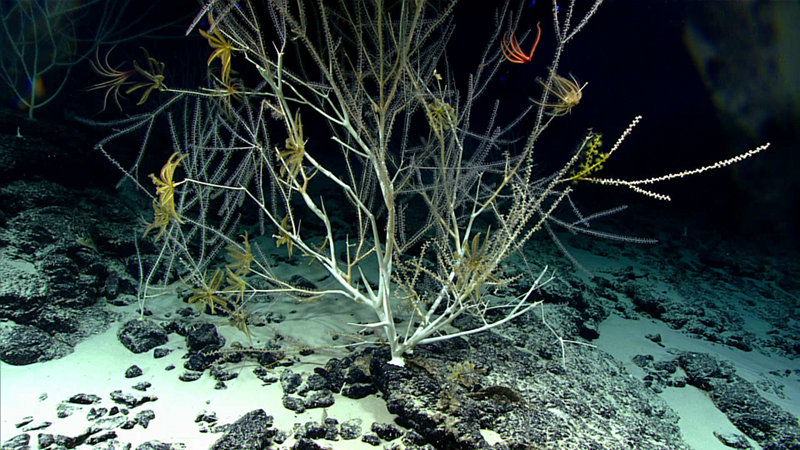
[[283, 237], [568, 92], [161, 219], [117, 79], [238, 318], [235, 288], [294, 153], [227, 93], [207, 295], [440, 115], [164, 203], [242, 258], [475, 266], [154, 75], [223, 50]]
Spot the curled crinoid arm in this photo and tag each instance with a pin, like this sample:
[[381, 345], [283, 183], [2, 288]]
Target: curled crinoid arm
[[567, 91], [115, 79], [513, 52]]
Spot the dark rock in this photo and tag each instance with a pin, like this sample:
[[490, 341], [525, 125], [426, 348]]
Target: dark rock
[[646, 302], [332, 427], [37, 426], [130, 400], [222, 375], [307, 444], [65, 410], [653, 337], [179, 327], [23, 344], [210, 418], [316, 430], [133, 371], [354, 374], [45, 440], [280, 437], [100, 438], [18, 442], [760, 419], [110, 423], [199, 362], [24, 291], [359, 390], [642, 360], [252, 431], [386, 431], [74, 441], [319, 399], [588, 330], [665, 366], [84, 399], [412, 438], [702, 369], [302, 283], [269, 359], [733, 440], [143, 418], [203, 337], [264, 375], [25, 421], [350, 429], [333, 374], [509, 399], [295, 404], [161, 352], [315, 382], [371, 439], [154, 445], [96, 413], [142, 386], [140, 336], [678, 382], [190, 376], [290, 381]]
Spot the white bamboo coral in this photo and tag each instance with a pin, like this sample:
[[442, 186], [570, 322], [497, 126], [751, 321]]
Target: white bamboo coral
[[371, 73]]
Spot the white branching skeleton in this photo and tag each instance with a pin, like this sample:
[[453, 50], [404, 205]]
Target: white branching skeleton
[[375, 73]]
